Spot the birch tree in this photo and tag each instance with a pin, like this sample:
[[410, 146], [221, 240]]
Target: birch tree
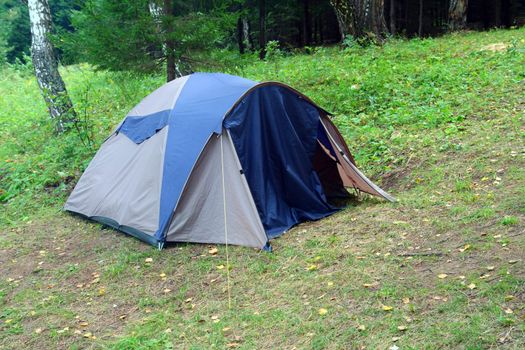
[[45, 63], [457, 14], [363, 19]]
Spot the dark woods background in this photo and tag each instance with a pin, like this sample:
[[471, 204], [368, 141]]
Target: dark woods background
[[143, 35]]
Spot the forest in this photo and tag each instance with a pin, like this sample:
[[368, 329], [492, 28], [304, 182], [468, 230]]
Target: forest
[[429, 97]]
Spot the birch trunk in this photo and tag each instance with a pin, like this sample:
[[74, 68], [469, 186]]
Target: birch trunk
[[363, 19], [45, 63], [457, 14]]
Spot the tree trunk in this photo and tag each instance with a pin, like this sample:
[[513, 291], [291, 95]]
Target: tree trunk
[[246, 34], [393, 17], [420, 25], [262, 29], [363, 19], [306, 24], [240, 36], [457, 14], [171, 67], [45, 62]]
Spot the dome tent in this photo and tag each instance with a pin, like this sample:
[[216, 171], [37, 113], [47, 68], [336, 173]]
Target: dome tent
[[211, 153]]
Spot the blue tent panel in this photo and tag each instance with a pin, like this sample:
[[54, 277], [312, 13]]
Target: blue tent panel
[[139, 129], [198, 112], [275, 133]]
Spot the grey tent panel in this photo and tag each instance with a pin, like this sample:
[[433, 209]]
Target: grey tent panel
[[199, 216], [123, 183]]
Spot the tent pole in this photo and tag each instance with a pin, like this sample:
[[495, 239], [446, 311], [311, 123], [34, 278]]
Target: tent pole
[[225, 223]]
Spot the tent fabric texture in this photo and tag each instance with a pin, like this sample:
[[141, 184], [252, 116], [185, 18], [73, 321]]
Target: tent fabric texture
[[216, 158]]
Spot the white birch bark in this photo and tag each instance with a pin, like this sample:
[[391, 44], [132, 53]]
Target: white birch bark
[[45, 63]]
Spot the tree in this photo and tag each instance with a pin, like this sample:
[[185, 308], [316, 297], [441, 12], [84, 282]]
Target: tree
[[363, 19], [392, 17], [46, 66], [457, 14], [262, 28]]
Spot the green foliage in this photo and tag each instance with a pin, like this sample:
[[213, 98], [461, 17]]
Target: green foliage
[[124, 35], [15, 35]]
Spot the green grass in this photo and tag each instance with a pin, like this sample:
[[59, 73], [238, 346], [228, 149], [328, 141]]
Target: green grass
[[438, 122]]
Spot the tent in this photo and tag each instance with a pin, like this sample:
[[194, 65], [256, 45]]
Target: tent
[[216, 158]]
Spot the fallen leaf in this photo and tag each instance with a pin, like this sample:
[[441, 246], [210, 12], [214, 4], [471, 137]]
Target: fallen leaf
[[83, 324], [402, 328], [87, 335], [162, 275], [471, 286], [395, 338], [370, 285], [508, 311], [322, 311], [148, 260], [312, 267], [101, 292], [38, 330], [168, 330], [509, 297], [491, 268], [63, 330], [213, 251], [513, 261], [220, 267], [406, 300], [167, 290], [122, 317], [188, 300], [387, 308], [215, 317], [329, 283], [466, 247], [361, 327], [442, 275]]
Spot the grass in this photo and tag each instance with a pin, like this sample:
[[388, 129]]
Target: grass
[[438, 122]]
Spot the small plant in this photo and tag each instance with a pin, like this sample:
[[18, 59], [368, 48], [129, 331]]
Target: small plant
[[509, 220], [273, 50]]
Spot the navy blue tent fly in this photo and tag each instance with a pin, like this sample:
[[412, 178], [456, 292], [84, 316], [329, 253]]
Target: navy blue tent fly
[[212, 149]]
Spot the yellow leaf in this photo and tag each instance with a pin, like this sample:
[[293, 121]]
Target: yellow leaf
[[466, 247], [312, 267], [361, 327], [387, 308], [471, 286], [83, 324], [148, 260], [442, 275], [87, 335], [322, 311], [509, 297], [406, 300], [213, 251], [101, 292], [8, 321], [220, 267], [162, 275], [329, 283], [370, 285]]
